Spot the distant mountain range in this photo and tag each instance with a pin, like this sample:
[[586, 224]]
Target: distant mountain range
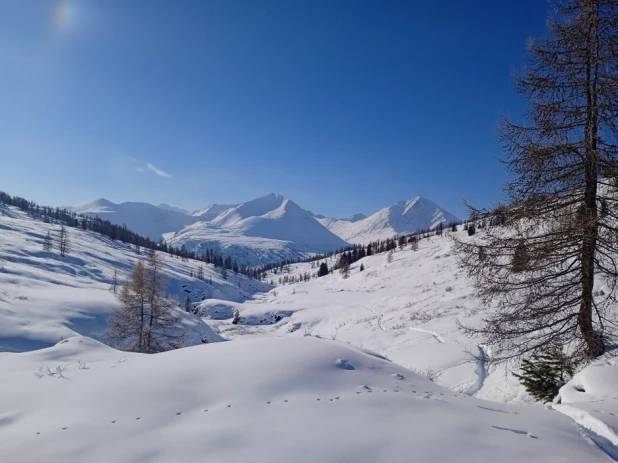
[[266, 229]]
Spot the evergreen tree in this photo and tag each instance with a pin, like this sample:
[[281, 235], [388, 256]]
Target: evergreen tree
[[323, 271], [471, 229], [200, 272], [236, 318], [545, 373], [389, 256], [224, 273], [188, 305], [362, 267]]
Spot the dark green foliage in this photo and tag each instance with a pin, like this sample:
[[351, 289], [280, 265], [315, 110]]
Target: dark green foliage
[[323, 271], [545, 372]]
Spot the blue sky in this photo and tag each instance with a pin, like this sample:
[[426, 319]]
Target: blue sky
[[343, 106]]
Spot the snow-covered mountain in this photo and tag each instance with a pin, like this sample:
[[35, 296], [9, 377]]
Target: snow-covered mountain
[[143, 218], [402, 217], [267, 229]]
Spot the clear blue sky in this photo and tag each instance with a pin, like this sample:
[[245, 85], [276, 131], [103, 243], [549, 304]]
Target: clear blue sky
[[343, 106]]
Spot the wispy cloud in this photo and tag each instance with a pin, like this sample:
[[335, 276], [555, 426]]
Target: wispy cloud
[[140, 170], [159, 172]]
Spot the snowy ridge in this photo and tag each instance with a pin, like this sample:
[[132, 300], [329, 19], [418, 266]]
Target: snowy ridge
[[400, 218]]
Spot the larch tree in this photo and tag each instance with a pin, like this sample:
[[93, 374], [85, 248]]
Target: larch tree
[[146, 320], [560, 220], [63, 241], [47, 242]]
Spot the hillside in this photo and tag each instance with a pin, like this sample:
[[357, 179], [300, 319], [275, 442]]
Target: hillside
[[44, 298], [402, 217]]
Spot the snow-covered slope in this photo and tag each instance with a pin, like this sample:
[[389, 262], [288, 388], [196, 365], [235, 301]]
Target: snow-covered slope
[[44, 297], [400, 218], [142, 218], [211, 212], [268, 400]]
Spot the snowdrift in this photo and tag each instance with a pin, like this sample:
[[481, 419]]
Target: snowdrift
[[267, 400]]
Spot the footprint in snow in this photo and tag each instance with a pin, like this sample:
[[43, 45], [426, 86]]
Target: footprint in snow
[[205, 410], [65, 428], [285, 400], [178, 413], [268, 402], [113, 422], [229, 406], [139, 417]]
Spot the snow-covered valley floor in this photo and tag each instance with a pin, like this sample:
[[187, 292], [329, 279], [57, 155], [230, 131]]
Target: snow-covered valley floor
[[303, 378]]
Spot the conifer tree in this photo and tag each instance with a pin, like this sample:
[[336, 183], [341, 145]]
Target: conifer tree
[[545, 373]]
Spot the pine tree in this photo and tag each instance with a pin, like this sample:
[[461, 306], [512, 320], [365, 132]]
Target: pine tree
[[236, 318], [323, 271], [562, 201], [188, 305], [471, 229], [362, 267], [47, 242], [200, 272], [414, 245], [224, 273], [545, 373], [389, 256]]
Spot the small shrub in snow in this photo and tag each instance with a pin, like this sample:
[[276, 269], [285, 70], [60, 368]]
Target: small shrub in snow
[[471, 229], [236, 318], [545, 373], [448, 289], [430, 374]]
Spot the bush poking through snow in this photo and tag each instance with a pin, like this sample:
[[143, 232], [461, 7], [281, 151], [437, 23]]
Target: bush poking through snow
[[236, 318], [430, 374], [44, 370], [545, 373]]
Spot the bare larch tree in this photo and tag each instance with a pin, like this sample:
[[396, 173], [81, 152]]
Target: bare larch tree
[[559, 224], [146, 320]]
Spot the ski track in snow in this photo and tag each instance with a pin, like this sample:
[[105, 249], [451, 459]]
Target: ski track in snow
[[481, 371], [379, 315], [438, 338]]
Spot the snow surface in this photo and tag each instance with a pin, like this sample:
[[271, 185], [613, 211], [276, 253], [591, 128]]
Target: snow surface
[[400, 218], [266, 400], [406, 310]]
